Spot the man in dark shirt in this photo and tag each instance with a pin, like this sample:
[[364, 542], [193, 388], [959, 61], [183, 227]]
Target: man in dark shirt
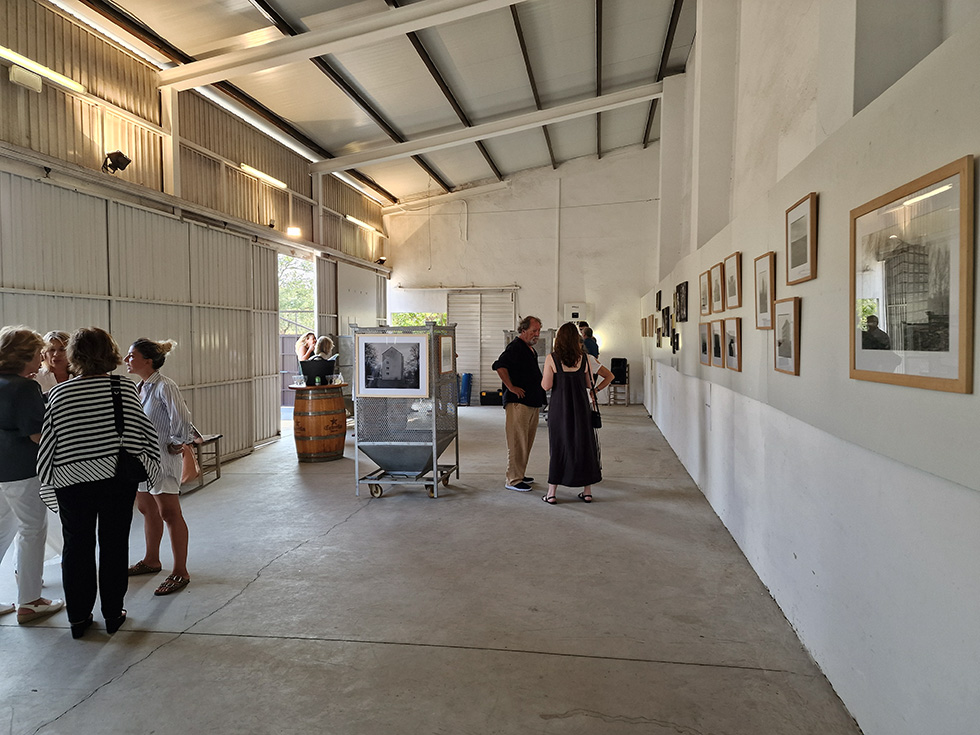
[[518, 368], [874, 338]]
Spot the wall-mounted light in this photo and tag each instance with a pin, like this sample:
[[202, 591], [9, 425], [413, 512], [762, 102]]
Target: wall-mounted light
[[358, 222], [271, 180], [115, 161], [381, 260], [293, 231], [50, 74]]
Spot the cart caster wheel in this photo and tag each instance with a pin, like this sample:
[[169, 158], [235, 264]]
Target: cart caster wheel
[[445, 481], [376, 491], [432, 491]]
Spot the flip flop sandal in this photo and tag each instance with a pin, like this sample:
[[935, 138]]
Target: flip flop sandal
[[141, 567], [585, 498], [173, 583], [550, 500]]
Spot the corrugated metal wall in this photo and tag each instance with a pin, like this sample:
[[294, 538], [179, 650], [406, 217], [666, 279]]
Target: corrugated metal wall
[[326, 296]]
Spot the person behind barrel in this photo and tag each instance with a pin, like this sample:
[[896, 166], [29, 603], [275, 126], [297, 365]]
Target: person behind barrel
[[518, 368]]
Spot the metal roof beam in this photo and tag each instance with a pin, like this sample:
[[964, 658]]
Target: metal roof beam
[[530, 78], [506, 126], [355, 34]]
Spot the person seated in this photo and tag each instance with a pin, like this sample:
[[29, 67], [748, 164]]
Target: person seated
[[305, 346], [322, 349]]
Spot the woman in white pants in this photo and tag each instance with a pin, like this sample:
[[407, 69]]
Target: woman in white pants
[[22, 514]]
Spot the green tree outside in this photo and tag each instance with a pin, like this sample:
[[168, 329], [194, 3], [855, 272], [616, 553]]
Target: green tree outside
[[417, 318], [296, 296]]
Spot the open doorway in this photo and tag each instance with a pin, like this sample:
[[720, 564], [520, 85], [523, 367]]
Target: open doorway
[[297, 316]]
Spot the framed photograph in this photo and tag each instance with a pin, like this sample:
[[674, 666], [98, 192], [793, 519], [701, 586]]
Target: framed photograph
[[704, 281], [733, 280], [733, 344], [643, 327], [704, 337], [912, 283], [659, 306], [681, 302], [717, 288], [786, 323], [393, 365], [665, 320], [657, 343], [765, 289], [717, 343], [801, 240], [675, 341], [447, 353]]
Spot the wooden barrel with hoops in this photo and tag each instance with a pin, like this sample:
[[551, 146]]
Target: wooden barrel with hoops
[[319, 423]]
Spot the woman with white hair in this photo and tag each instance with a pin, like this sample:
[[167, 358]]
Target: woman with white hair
[[54, 361]]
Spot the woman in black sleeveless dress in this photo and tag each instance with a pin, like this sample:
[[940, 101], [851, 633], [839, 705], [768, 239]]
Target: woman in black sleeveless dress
[[568, 374]]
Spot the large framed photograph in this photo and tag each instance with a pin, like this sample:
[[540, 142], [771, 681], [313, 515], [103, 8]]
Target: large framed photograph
[[912, 283], [717, 288], [765, 289], [704, 334], [801, 240], [733, 344], [786, 323], [704, 282], [393, 365], [447, 352], [681, 308], [717, 343], [733, 281]]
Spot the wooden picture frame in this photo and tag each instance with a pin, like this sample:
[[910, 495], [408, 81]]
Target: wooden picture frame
[[912, 271], [704, 338], [403, 374], [659, 305], [733, 344], [786, 342], [765, 289], [801, 240], [447, 354], [643, 327], [704, 282], [733, 280], [682, 302], [717, 343], [717, 288]]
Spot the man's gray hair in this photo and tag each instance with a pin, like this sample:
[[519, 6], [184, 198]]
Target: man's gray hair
[[526, 323]]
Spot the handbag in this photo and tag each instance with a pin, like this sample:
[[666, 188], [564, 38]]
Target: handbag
[[128, 467], [596, 416], [191, 470]]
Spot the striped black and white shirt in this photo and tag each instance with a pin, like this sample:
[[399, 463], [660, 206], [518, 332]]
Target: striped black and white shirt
[[79, 442]]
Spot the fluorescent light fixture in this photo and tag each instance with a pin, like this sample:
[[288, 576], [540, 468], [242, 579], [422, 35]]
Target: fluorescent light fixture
[[293, 231], [928, 194], [358, 222], [355, 184], [262, 176], [59, 79]]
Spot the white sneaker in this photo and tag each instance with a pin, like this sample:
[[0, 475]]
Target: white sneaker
[[521, 487]]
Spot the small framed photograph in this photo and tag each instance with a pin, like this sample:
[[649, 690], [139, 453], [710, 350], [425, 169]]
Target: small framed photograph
[[717, 343], [717, 288], [704, 337], [675, 341], [643, 327], [733, 280], [657, 343], [765, 289], [447, 355], [681, 302], [786, 322], [801, 240], [912, 271], [704, 281], [393, 365], [659, 305], [733, 344]]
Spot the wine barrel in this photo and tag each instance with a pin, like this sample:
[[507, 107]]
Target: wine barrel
[[319, 423]]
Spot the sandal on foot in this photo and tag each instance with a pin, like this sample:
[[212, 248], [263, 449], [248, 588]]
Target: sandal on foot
[[141, 567], [173, 583], [5, 609], [585, 497], [550, 499]]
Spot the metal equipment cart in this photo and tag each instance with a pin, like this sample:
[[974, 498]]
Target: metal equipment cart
[[405, 405]]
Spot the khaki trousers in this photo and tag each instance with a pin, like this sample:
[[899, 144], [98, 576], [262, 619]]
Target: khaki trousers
[[521, 426]]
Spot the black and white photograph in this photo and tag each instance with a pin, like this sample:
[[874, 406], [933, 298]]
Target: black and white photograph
[[765, 289], [786, 318], [682, 302], [393, 365], [912, 276], [733, 281], [717, 288], [733, 344], [704, 282], [717, 343], [704, 337], [801, 240]]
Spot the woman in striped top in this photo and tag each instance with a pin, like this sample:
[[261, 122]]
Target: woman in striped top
[[78, 457], [161, 504]]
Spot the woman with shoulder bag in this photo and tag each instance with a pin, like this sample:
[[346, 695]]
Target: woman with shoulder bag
[[96, 445], [568, 374]]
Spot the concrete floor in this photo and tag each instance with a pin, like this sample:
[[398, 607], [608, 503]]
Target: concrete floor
[[485, 610]]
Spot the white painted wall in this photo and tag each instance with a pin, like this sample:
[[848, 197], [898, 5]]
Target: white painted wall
[[857, 503], [585, 232]]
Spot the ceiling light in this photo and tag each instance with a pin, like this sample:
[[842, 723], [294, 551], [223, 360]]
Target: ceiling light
[[263, 176], [381, 260], [358, 222], [115, 161], [293, 231], [59, 79]]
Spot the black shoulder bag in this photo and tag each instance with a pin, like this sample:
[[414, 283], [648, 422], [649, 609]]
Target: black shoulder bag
[[596, 416], [128, 467]]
